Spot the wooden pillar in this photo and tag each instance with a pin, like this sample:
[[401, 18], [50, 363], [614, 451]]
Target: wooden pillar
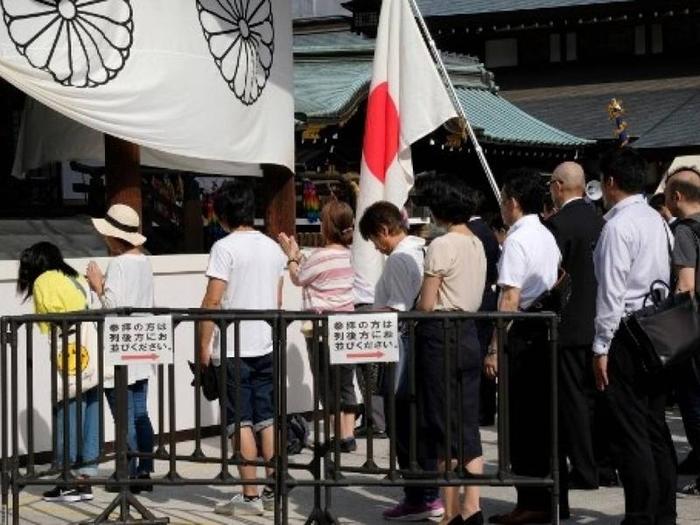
[[280, 200], [123, 173]]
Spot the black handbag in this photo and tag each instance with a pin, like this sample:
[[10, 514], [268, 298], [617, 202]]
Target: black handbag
[[208, 379], [556, 298], [666, 333]]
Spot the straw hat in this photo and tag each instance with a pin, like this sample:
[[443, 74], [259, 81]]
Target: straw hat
[[121, 222]]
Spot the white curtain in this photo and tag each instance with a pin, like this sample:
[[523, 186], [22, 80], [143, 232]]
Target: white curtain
[[207, 80], [46, 136]]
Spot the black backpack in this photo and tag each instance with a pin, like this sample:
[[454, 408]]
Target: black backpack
[[297, 433]]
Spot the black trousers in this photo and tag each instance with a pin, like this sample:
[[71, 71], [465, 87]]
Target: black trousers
[[641, 440], [487, 388], [415, 494], [577, 398], [530, 420]]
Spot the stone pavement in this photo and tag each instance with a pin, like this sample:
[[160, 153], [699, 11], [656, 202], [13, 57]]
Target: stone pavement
[[193, 505]]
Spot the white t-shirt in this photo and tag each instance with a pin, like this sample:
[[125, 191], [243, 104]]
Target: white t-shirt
[[251, 264], [400, 282], [129, 284], [529, 260]]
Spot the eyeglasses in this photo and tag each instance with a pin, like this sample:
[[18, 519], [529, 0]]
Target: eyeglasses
[[552, 181]]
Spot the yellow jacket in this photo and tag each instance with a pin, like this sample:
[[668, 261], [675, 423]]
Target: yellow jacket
[[55, 292]]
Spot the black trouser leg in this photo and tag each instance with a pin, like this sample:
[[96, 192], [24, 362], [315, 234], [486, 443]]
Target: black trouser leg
[[687, 381], [641, 441], [576, 405], [415, 495], [530, 401]]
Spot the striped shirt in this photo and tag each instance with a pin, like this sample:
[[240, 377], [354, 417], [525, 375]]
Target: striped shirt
[[326, 277]]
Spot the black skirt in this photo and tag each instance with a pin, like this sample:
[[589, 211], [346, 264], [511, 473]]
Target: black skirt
[[448, 392]]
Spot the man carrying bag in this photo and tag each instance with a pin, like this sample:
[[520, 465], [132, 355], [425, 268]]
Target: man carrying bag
[[683, 199], [631, 254]]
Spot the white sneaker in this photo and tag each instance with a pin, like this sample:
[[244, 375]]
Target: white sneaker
[[239, 506]]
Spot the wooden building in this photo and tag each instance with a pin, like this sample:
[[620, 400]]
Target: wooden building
[[563, 60]]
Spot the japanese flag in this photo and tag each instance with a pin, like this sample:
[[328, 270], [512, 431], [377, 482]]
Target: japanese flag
[[407, 100]]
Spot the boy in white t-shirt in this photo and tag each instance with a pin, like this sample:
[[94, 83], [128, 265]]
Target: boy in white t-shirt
[[245, 273]]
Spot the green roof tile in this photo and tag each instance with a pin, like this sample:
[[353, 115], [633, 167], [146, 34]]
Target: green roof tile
[[430, 8]]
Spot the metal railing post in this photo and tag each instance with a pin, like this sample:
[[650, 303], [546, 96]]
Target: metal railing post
[[554, 363], [4, 475]]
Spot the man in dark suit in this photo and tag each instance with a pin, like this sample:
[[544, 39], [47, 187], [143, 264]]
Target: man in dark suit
[[489, 303], [576, 227]]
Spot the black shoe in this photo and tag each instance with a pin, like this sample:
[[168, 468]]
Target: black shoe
[[475, 519], [690, 465], [346, 445], [138, 489], [361, 432], [63, 495], [608, 478], [487, 421], [578, 482]]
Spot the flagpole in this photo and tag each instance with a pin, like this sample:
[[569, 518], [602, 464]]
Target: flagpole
[[453, 96]]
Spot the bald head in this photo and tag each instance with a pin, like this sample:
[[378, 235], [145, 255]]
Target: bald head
[[683, 191], [571, 176], [568, 182]]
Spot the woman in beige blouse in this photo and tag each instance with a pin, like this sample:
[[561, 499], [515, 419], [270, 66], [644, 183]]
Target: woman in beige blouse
[[455, 273]]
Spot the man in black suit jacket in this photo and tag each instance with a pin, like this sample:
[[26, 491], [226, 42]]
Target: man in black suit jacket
[[489, 303], [576, 227]]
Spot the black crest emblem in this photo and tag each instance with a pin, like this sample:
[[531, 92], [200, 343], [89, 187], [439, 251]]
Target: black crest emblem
[[241, 38], [81, 43]]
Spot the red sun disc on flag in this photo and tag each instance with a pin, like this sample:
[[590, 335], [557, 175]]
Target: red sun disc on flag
[[381, 141]]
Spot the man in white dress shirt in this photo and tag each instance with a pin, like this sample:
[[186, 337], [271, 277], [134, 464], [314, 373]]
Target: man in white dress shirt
[[528, 267], [632, 253]]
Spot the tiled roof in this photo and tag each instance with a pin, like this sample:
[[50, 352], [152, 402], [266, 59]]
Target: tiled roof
[[661, 106], [332, 72], [430, 8], [501, 121]]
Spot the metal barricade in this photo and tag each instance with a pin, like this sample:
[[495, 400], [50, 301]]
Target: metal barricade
[[325, 470]]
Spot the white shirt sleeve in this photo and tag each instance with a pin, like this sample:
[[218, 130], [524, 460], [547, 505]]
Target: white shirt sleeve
[[613, 261], [512, 265], [403, 282], [114, 284], [220, 263]]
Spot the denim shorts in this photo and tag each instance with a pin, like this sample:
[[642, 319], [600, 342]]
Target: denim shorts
[[256, 391]]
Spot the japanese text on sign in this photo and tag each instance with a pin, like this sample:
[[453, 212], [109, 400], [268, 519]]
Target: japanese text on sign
[[130, 340], [363, 338]]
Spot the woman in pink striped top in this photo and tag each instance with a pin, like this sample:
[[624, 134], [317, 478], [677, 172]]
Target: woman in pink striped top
[[326, 278]]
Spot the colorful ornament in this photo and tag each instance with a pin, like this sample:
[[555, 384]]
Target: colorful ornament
[[615, 112], [310, 201]]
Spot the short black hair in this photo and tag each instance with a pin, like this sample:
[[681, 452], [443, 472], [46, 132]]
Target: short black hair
[[689, 190], [380, 215], [526, 187], [449, 198], [657, 201], [234, 203], [40, 258], [626, 167]]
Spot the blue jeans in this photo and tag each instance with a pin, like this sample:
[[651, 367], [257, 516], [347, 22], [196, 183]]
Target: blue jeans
[[140, 429], [90, 414], [256, 390]]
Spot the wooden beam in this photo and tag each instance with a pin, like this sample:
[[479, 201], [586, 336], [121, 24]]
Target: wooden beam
[[280, 200], [123, 173]]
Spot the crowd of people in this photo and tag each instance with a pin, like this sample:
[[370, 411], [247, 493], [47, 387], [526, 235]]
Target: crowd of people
[[611, 413]]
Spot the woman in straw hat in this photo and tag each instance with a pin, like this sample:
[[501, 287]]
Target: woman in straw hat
[[128, 283]]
